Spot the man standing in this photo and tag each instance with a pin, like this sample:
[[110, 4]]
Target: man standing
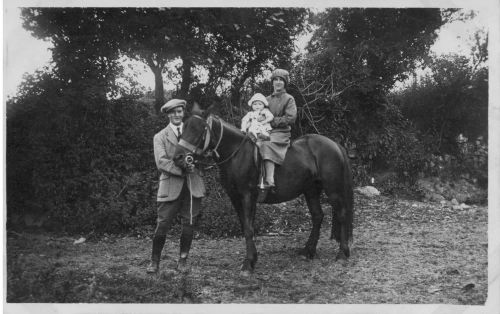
[[179, 192]]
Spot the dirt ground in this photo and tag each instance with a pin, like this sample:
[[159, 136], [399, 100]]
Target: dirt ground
[[403, 252]]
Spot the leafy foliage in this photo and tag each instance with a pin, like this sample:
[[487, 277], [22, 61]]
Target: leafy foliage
[[231, 44], [85, 52], [453, 100], [71, 162], [355, 57]]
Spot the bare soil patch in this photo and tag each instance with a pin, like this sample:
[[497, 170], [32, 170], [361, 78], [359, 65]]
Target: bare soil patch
[[404, 252]]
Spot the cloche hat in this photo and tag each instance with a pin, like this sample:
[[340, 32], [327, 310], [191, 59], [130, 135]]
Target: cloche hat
[[281, 73], [258, 97], [173, 103]]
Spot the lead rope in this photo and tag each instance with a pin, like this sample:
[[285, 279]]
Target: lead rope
[[190, 202]]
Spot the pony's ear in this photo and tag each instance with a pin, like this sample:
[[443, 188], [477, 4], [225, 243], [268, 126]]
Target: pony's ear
[[209, 111], [196, 109]]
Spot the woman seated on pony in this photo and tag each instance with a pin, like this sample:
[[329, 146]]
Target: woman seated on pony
[[284, 111]]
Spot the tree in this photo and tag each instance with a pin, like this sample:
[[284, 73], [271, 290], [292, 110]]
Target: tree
[[450, 101], [245, 41], [370, 49], [354, 58], [85, 50], [230, 43], [156, 36]]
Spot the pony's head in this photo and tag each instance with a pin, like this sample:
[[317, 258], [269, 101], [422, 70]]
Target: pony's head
[[195, 137]]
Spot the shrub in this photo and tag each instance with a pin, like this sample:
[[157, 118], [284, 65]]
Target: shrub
[[72, 160]]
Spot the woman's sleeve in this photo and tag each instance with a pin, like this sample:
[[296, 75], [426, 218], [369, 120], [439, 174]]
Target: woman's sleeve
[[288, 117], [269, 116], [163, 162]]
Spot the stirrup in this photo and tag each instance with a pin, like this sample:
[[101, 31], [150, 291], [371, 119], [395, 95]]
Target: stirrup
[[262, 195], [267, 186]]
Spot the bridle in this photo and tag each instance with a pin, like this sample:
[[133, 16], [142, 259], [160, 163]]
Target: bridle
[[208, 136]]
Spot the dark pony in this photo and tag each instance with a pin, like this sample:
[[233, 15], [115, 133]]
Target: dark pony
[[313, 164]]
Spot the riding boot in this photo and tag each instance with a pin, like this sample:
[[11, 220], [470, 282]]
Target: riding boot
[[158, 243], [185, 246], [269, 165]]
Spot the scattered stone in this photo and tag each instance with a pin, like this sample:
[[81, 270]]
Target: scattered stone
[[461, 207], [368, 190], [434, 290], [462, 197], [79, 241], [462, 190], [439, 188], [452, 272], [434, 197], [454, 202]]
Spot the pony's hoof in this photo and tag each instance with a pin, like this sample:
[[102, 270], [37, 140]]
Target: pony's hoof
[[247, 268], [305, 254], [245, 273], [182, 266], [341, 256]]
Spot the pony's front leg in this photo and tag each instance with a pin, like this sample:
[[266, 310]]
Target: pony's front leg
[[248, 217]]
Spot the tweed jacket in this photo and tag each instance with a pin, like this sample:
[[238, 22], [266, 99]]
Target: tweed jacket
[[172, 178]]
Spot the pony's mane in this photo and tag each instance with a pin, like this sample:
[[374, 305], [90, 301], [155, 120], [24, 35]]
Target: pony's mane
[[227, 124]]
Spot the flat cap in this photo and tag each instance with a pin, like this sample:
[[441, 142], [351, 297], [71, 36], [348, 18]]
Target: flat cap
[[173, 103]]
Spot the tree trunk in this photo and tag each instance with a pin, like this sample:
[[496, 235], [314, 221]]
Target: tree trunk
[[186, 77], [235, 96], [159, 93], [237, 84]]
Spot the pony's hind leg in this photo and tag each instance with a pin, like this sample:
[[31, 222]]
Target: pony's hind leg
[[340, 225], [313, 203]]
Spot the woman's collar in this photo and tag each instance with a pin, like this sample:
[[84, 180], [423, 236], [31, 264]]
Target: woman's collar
[[275, 93]]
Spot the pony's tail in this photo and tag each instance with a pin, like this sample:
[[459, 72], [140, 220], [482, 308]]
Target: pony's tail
[[347, 201]]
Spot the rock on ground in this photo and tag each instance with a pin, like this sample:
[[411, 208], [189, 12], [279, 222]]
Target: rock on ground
[[368, 190]]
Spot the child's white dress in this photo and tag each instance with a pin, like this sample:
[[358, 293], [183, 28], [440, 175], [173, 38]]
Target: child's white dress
[[250, 122]]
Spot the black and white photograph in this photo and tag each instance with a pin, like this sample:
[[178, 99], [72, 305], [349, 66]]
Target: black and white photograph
[[255, 158]]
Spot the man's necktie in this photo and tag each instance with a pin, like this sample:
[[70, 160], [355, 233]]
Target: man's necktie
[[178, 133]]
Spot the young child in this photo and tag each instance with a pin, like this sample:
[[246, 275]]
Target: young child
[[257, 122]]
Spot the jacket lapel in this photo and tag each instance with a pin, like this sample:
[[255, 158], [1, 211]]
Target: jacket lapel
[[171, 135]]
